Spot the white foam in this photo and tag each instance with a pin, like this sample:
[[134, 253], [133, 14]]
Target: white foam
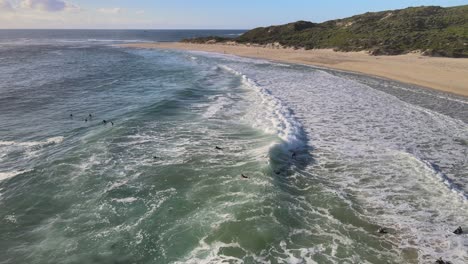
[[117, 184], [7, 175], [11, 218], [300, 255], [118, 40], [285, 124], [52, 140], [401, 163], [216, 106], [230, 57], [125, 200], [210, 253], [440, 176], [11, 174]]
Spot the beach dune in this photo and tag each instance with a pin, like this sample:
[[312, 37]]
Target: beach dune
[[444, 74]]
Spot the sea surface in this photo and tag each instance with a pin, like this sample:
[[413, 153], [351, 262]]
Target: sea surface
[[328, 157]]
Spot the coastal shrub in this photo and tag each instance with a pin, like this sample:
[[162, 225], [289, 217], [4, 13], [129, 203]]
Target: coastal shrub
[[435, 30]]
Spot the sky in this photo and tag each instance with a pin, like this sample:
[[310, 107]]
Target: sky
[[187, 14]]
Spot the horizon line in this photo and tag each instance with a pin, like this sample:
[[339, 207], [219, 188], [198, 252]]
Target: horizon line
[[164, 29]]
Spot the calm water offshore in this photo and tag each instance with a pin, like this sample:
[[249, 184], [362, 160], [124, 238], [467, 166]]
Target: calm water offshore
[[328, 158]]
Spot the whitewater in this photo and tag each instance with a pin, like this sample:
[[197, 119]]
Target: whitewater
[[399, 165], [329, 156]]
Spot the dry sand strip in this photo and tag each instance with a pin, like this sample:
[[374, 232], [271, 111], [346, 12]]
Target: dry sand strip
[[445, 74]]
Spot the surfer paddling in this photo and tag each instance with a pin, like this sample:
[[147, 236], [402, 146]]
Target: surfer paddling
[[441, 261], [458, 231], [382, 230]]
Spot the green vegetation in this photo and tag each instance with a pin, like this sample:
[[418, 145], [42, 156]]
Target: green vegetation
[[207, 40], [434, 30]]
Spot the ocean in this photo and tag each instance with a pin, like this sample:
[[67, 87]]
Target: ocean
[[124, 155]]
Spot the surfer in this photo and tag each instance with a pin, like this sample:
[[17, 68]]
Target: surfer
[[243, 176], [86, 120], [71, 116], [218, 148], [441, 261], [458, 231], [155, 157], [293, 155], [382, 230], [90, 116], [104, 122], [112, 123]]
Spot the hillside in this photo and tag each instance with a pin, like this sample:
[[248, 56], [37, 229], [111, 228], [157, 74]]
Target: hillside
[[434, 30]]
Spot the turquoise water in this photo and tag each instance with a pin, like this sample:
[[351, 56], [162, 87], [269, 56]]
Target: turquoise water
[[329, 157]]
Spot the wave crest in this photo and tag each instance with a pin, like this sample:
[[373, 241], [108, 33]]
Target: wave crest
[[286, 126]]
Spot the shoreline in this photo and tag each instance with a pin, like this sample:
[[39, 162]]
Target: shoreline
[[442, 74]]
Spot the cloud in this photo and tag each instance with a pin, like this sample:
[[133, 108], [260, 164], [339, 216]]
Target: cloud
[[6, 6], [48, 5], [113, 10]]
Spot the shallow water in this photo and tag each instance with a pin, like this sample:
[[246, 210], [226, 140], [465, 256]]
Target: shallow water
[[330, 158]]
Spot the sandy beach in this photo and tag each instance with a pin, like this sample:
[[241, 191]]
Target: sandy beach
[[445, 74]]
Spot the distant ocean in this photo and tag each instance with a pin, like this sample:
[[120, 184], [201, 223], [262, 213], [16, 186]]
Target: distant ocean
[[119, 155]]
